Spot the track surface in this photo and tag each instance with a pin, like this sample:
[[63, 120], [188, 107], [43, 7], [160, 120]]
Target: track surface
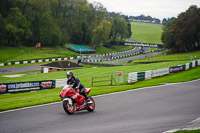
[[19, 69], [147, 110], [129, 59]]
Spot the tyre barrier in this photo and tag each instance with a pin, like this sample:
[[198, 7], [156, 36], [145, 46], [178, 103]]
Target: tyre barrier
[[140, 76]]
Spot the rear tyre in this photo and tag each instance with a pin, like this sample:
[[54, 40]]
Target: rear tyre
[[91, 107], [69, 109]]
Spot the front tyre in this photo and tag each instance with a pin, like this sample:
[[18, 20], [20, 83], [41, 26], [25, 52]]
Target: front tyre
[[91, 107], [69, 109]]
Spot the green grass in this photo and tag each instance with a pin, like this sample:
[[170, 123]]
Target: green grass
[[192, 131], [173, 57], [52, 95], [86, 75], [26, 53], [146, 33], [8, 54]]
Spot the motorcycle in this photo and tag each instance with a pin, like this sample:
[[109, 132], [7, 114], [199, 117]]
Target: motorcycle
[[74, 101]]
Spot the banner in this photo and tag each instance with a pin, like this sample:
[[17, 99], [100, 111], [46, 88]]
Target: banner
[[160, 72], [26, 86], [175, 69], [22, 86], [46, 85], [137, 44]]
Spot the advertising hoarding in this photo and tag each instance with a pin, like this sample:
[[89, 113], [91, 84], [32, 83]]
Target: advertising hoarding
[[26, 86]]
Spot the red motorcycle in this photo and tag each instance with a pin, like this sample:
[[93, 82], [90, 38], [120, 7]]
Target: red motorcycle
[[74, 101]]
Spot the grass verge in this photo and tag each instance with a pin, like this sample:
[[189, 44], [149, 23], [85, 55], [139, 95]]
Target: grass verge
[[13, 101], [192, 131]]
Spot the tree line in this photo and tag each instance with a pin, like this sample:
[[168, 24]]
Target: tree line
[[143, 18], [167, 20], [56, 22], [183, 33]]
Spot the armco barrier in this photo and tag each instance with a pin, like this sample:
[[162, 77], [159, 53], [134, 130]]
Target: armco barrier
[[26, 86]]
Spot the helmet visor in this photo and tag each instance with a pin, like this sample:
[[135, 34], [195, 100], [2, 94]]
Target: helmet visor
[[69, 76]]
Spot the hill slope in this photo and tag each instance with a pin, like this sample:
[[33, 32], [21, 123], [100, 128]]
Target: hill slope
[[146, 32]]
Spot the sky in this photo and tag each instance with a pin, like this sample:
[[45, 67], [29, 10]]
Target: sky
[[155, 8]]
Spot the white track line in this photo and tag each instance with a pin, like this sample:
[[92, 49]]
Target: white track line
[[101, 95]]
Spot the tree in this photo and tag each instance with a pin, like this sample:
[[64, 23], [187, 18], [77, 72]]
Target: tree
[[119, 29], [183, 33], [101, 33], [5, 6], [55, 22], [96, 14], [2, 30], [17, 27], [168, 36], [44, 28], [164, 21]]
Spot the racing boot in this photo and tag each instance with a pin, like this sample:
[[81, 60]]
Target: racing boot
[[87, 98]]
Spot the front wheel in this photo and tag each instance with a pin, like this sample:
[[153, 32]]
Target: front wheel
[[91, 107], [69, 109]]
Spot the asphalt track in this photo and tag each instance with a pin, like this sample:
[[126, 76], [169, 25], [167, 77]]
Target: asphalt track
[[19, 69], [129, 59], [146, 110]]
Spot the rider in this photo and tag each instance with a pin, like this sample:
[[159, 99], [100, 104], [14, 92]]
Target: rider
[[76, 84]]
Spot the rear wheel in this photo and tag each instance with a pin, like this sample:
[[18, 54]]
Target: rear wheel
[[91, 107], [70, 109]]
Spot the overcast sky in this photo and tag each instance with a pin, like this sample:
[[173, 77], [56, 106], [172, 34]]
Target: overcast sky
[[155, 8]]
